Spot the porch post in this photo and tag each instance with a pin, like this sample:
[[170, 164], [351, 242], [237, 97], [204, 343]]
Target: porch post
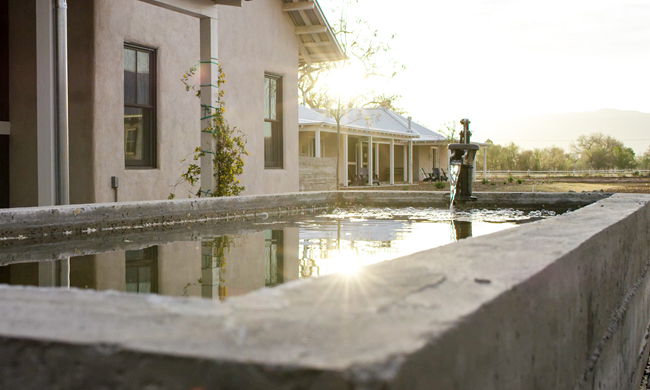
[[410, 161], [345, 159], [370, 161], [376, 170], [485, 162], [317, 143], [360, 158], [392, 161], [209, 92]]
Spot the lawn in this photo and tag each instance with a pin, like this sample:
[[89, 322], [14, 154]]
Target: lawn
[[587, 184]]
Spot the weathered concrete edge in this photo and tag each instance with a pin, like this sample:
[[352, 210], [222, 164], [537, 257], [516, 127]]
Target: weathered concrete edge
[[605, 234], [77, 219]]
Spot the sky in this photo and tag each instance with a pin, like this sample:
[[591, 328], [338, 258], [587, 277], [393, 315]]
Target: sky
[[494, 60]]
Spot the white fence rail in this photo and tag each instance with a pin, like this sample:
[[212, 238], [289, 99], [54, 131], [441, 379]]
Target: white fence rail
[[569, 173]]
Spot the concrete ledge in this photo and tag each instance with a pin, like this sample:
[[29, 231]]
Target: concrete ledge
[[556, 304], [76, 220]]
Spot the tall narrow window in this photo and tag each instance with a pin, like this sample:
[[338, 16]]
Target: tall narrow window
[[142, 270], [272, 121], [139, 107], [273, 257]]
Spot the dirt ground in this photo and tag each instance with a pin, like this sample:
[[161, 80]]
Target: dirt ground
[[554, 184]]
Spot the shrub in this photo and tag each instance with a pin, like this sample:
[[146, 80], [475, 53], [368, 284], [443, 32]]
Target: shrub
[[505, 182], [635, 173], [519, 181], [439, 185], [493, 184], [485, 181], [510, 179]]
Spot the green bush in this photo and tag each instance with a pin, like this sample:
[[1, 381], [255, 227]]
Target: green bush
[[439, 185], [636, 173], [493, 184], [519, 181], [505, 182], [485, 181], [551, 181], [510, 179]]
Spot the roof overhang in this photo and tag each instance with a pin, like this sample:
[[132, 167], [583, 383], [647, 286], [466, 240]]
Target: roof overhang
[[196, 8], [315, 36], [354, 130]]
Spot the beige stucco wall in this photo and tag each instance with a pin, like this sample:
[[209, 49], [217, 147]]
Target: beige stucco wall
[[254, 39], [304, 140], [176, 39]]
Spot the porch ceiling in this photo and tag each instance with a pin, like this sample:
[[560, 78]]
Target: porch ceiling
[[315, 36], [196, 8]]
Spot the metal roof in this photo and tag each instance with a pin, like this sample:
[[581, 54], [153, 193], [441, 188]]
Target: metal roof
[[377, 120], [315, 36]]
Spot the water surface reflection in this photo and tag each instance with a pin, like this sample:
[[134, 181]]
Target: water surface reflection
[[216, 267]]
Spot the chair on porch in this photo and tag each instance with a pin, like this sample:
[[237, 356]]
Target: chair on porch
[[364, 176], [427, 176], [442, 176], [354, 179]]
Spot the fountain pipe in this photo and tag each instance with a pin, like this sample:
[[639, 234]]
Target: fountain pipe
[[463, 154]]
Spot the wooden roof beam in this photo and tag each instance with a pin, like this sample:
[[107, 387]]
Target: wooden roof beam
[[301, 30], [287, 7]]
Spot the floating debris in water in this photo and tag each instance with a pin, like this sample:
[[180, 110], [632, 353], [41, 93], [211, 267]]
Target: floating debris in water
[[433, 214]]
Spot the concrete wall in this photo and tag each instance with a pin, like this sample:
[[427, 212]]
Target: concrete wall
[[317, 174], [555, 304], [254, 39]]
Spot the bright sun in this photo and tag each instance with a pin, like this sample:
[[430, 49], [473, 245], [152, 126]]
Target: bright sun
[[347, 82]]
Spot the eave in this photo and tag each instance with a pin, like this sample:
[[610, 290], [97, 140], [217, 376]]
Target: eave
[[315, 36]]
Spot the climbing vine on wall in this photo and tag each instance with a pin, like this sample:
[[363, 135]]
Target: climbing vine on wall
[[227, 155]]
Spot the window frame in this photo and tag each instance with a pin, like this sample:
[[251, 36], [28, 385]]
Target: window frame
[[150, 157], [277, 124]]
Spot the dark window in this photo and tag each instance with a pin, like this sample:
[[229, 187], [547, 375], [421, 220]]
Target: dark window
[[272, 121], [139, 107], [142, 270]]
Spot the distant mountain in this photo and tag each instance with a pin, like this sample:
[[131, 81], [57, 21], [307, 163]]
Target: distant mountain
[[630, 127]]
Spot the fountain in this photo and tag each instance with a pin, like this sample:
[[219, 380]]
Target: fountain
[[461, 167]]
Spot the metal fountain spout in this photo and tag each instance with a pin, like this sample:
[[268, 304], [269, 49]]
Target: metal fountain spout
[[461, 166]]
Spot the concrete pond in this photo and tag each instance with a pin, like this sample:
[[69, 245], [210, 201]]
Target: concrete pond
[[557, 303]]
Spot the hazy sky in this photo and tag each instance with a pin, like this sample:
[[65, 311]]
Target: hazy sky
[[490, 60]]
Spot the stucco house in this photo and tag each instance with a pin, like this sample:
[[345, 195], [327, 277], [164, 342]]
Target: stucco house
[[114, 103], [400, 147]]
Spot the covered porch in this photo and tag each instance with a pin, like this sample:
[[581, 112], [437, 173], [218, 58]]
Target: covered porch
[[362, 155]]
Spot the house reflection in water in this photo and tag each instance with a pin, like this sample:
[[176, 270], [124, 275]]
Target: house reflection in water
[[216, 267]]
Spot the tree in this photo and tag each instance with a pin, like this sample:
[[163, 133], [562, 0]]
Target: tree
[[449, 130], [229, 149], [365, 51], [600, 151], [643, 161]]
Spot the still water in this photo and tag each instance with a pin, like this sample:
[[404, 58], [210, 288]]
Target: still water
[[268, 253]]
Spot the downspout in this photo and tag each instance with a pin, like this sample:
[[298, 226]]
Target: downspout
[[62, 168], [62, 138]]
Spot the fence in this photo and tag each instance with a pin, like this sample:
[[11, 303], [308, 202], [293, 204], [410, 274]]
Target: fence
[[567, 173]]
